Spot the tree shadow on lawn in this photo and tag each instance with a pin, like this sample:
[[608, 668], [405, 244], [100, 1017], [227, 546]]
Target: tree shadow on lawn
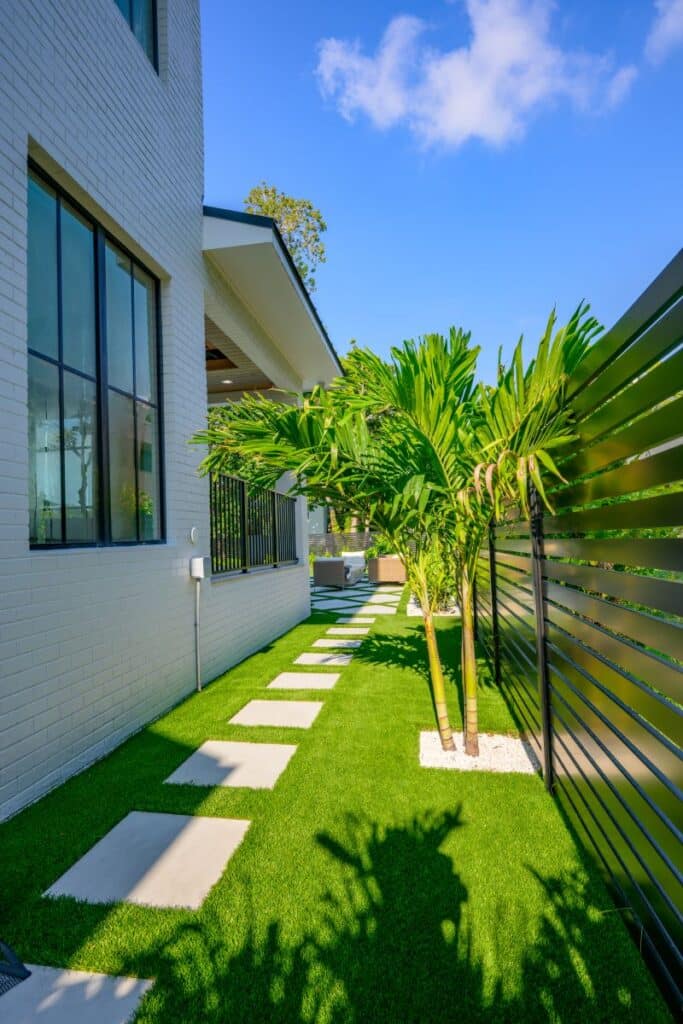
[[389, 943], [409, 651]]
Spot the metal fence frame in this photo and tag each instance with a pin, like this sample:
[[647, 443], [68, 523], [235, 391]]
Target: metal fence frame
[[584, 625], [250, 529]]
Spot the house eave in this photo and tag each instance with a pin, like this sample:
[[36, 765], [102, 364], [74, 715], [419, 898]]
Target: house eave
[[248, 250]]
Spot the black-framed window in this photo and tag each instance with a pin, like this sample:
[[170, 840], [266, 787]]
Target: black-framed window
[[141, 16], [94, 400]]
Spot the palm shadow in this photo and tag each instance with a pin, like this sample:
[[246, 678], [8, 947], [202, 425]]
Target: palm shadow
[[389, 941]]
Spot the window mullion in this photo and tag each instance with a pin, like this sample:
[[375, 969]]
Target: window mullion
[[60, 357], [102, 390], [135, 404]]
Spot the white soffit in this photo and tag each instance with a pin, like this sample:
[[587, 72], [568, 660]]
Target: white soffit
[[249, 253]]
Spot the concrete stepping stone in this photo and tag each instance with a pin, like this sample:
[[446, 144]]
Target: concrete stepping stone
[[288, 714], [383, 599], [304, 681], [155, 860], [378, 609], [351, 619], [332, 606], [53, 996], [334, 642], [348, 631], [318, 658], [223, 763]]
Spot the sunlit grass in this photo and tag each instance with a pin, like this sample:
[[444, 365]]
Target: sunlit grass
[[367, 889]]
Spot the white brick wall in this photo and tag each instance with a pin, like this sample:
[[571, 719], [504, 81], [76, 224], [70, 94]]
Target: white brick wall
[[94, 643]]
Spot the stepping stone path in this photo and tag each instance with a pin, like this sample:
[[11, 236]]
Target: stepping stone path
[[333, 642], [304, 681], [155, 860], [173, 860], [53, 996], [318, 658], [219, 763], [288, 714], [354, 598]]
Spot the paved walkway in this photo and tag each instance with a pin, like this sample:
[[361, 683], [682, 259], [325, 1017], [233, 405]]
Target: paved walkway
[[173, 860]]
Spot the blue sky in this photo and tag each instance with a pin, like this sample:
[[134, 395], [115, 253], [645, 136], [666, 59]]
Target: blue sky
[[477, 161]]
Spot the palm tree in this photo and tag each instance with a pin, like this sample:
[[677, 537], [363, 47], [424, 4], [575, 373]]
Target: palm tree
[[359, 461], [423, 454]]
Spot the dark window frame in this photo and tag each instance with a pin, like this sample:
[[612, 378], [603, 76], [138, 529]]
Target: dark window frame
[[102, 388], [154, 59]]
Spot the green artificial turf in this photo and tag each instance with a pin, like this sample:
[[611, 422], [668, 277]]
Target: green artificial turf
[[367, 888]]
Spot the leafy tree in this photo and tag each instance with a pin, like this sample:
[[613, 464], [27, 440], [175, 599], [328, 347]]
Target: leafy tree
[[300, 223]]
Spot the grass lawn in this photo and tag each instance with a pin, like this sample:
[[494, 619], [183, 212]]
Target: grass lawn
[[367, 888]]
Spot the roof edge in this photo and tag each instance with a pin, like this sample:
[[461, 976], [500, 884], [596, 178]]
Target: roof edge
[[259, 220]]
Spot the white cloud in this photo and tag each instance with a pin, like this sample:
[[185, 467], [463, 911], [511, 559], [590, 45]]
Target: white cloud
[[487, 89], [667, 30]]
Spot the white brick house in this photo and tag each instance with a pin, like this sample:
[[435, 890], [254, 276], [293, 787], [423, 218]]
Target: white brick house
[[101, 109]]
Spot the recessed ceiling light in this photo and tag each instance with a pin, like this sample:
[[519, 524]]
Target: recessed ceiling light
[[226, 382]]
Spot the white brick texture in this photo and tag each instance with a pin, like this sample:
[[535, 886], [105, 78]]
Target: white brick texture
[[94, 643]]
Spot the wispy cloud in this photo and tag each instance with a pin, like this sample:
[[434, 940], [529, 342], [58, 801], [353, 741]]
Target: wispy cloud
[[488, 89], [666, 33]]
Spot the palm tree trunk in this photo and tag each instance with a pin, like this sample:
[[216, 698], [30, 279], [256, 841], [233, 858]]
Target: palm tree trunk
[[469, 668], [438, 684]]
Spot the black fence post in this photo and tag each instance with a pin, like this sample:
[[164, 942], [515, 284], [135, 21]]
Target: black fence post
[[537, 556], [244, 525], [495, 634]]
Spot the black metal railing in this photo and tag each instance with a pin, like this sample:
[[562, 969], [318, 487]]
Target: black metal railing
[[581, 612], [250, 529]]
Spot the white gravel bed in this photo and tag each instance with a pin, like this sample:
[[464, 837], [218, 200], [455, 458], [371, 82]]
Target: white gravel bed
[[496, 754]]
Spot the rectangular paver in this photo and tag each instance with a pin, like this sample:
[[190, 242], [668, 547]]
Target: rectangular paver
[[356, 618], [224, 763], [334, 642], [156, 860], [378, 609], [54, 996], [318, 658], [304, 681], [289, 714], [332, 606]]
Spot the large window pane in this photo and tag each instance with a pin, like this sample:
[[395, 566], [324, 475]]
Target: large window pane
[[148, 473], [80, 458], [143, 25], [145, 336], [78, 292], [45, 474], [119, 319], [42, 268], [122, 468]]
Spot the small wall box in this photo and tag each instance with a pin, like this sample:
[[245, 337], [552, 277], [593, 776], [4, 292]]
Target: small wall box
[[200, 568]]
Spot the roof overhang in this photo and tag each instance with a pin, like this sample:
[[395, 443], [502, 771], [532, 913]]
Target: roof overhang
[[249, 252]]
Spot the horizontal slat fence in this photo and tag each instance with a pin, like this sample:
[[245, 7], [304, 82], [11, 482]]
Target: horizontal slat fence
[[249, 529], [598, 635]]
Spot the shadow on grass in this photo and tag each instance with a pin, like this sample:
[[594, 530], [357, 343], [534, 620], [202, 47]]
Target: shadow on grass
[[409, 650], [389, 943]]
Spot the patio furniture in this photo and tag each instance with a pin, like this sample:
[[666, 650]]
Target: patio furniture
[[335, 572], [386, 569]]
